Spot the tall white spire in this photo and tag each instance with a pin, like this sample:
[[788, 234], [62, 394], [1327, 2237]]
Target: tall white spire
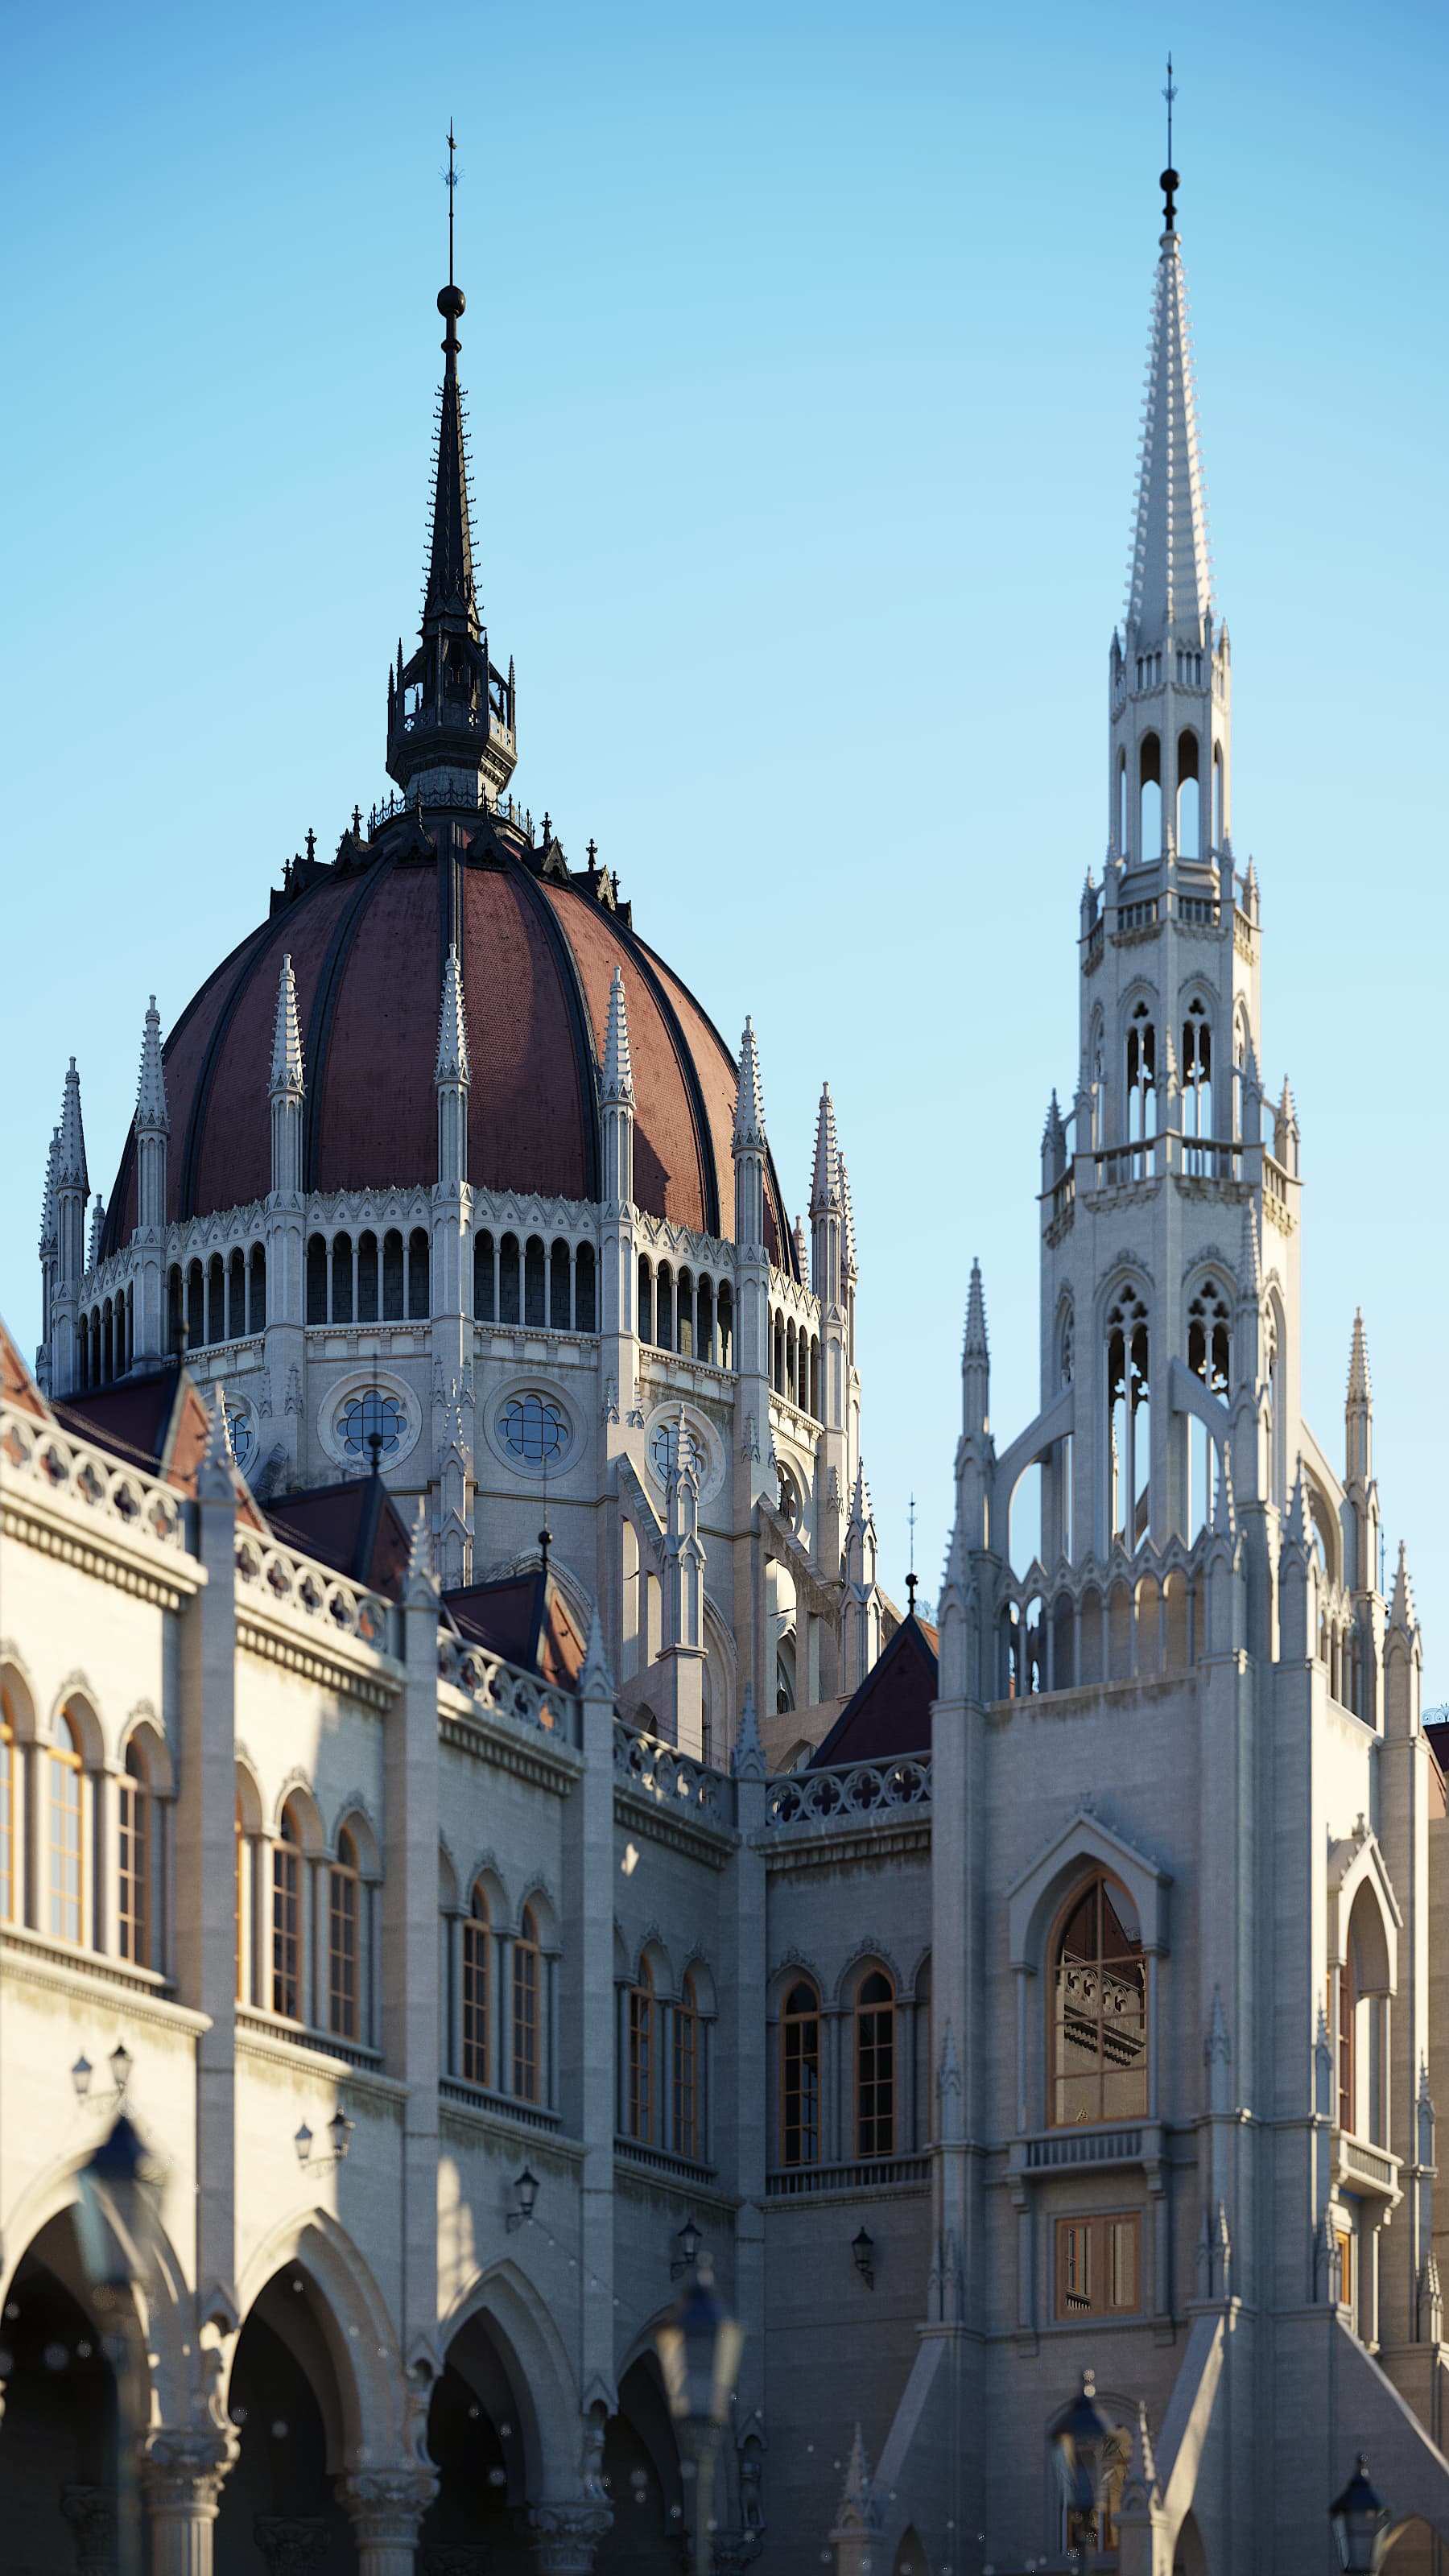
[[618, 1065], [452, 1058], [749, 1108], [286, 1035], [1169, 578]]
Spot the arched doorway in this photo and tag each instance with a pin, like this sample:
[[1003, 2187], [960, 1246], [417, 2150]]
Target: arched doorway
[[58, 2438], [643, 2481], [1189, 2558], [911, 2559], [278, 2506], [478, 2439]]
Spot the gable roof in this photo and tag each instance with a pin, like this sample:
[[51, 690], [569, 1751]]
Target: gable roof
[[159, 1421], [890, 1714], [17, 1386], [354, 1527], [525, 1619]]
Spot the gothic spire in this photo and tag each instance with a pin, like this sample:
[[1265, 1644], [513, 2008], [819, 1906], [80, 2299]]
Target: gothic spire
[[47, 1207], [852, 1265], [825, 1188], [1169, 579], [151, 1116], [1360, 1390], [618, 1064], [452, 1062], [451, 606], [71, 1172], [749, 1128], [286, 1034], [975, 1344]]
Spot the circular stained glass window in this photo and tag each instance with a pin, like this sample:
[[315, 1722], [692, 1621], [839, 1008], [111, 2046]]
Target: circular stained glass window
[[241, 1423], [370, 1416], [533, 1429]]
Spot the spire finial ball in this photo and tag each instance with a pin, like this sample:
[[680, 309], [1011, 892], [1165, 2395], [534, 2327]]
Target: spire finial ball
[[451, 302]]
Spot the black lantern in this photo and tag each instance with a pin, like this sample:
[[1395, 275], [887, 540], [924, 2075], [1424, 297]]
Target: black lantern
[[112, 2216], [1360, 2520], [121, 2063], [339, 2130], [688, 2241], [699, 2354], [525, 2193], [303, 2144], [1084, 2446], [862, 2247], [80, 2076]]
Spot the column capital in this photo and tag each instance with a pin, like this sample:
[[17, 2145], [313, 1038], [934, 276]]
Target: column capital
[[89, 2512], [565, 2537], [183, 2467], [386, 2505]]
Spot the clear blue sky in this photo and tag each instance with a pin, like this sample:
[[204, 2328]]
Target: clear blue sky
[[804, 347]]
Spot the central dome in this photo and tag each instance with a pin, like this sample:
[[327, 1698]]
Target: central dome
[[368, 937]]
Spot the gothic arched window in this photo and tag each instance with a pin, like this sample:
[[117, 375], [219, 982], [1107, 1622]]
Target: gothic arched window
[[476, 1947], [686, 2071], [9, 1837], [1141, 1077], [65, 1913], [525, 2007], [344, 1940], [875, 2065], [287, 1917], [1197, 1078], [133, 1859], [1098, 2067], [1128, 1421], [640, 2103], [800, 2076]]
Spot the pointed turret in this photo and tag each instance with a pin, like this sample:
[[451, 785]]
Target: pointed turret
[[616, 1101], [825, 1189], [451, 714], [618, 1080], [747, 1761], [451, 1077], [1169, 579], [153, 1126], [1401, 1608], [72, 1183], [975, 1361], [748, 1143], [682, 1650], [827, 1210], [287, 1089], [48, 1252], [98, 1227], [1250, 1259], [1403, 1657], [861, 1637], [1358, 1410]]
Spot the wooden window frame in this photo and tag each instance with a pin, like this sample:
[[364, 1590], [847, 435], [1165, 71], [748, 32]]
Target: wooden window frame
[[67, 1764], [9, 1801], [875, 2067], [800, 2052], [1058, 2076], [684, 2072], [641, 2088], [477, 2017], [239, 1909], [1088, 2246], [134, 1838], [525, 2070], [286, 1985], [344, 1942]]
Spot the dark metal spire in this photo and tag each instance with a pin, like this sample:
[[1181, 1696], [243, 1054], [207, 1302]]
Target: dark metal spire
[[1169, 182], [451, 605]]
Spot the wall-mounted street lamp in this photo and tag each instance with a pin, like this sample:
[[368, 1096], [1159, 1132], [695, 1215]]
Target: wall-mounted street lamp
[[863, 2248], [525, 2193], [80, 2076], [699, 2354], [1082, 2447], [120, 2063], [688, 2241], [339, 2130], [1360, 2522]]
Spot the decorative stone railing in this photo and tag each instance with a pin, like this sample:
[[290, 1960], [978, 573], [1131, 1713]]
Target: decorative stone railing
[[673, 1779], [500, 1689], [837, 1796], [289, 1582], [57, 1464]]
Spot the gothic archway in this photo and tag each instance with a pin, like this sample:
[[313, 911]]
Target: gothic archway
[[278, 2506], [58, 2454], [479, 2439], [643, 2480]]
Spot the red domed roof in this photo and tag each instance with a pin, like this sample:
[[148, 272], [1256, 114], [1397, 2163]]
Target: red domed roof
[[368, 937]]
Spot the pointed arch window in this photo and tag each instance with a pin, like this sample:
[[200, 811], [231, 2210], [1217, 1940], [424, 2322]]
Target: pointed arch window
[[476, 1953], [686, 2071], [1197, 1080], [9, 1836], [1209, 1356], [875, 2065], [1129, 1431], [134, 1815], [1141, 1079], [525, 2007], [344, 1944], [800, 2076], [65, 1875], [640, 2104], [287, 1917], [239, 1901], [1099, 2010]]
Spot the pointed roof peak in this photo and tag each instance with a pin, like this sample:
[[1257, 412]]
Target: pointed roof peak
[[618, 1063], [287, 1073], [1401, 1608], [151, 1114], [595, 1679], [47, 1204], [452, 1060], [1169, 582], [1250, 1265], [976, 1347], [71, 1172], [860, 1510], [1360, 1387], [450, 604], [825, 1181], [747, 1761], [749, 1128], [851, 1262]]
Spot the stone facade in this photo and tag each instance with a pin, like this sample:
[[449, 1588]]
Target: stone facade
[[1082, 2012]]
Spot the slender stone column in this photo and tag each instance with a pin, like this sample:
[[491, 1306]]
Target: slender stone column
[[386, 2507], [182, 2475]]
